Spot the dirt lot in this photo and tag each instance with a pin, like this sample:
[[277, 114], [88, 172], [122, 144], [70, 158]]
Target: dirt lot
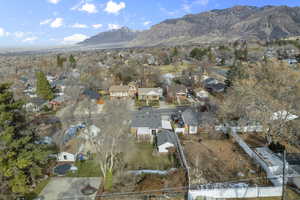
[[218, 161], [138, 186]]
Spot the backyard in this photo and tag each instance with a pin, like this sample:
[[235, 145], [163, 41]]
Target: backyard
[[219, 160], [143, 158]]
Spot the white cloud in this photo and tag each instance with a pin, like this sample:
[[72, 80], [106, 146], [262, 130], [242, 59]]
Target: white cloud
[[97, 26], [30, 39], [19, 34], [202, 2], [113, 7], [77, 25], [186, 7], [74, 39], [146, 23], [88, 7], [2, 32], [113, 26], [54, 1], [58, 22], [46, 21]]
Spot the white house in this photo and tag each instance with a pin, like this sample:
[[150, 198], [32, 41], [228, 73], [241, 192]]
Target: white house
[[65, 157]]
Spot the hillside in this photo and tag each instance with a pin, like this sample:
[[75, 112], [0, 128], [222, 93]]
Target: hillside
[[239, 22], [123, 34]]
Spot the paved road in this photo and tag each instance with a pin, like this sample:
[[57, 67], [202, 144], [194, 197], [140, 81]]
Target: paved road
[[68, 188]]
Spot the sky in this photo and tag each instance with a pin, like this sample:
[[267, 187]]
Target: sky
[[65, 22]]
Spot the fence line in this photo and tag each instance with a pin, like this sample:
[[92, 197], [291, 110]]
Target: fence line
[[249, 192]]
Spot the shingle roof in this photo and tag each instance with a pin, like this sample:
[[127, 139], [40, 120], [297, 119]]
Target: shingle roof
[[164, 137], [146, 118], [191, 117], [195, 118]]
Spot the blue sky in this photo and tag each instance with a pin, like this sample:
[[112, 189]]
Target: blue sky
[[58, 22]]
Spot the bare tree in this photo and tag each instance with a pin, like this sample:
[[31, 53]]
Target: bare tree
[[269, 94], [114, 138]]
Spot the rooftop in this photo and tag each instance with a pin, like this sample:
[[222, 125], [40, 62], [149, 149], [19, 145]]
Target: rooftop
[[166, 136], [146, 118]]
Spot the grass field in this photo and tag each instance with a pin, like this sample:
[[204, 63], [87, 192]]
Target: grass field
[[144, 159]]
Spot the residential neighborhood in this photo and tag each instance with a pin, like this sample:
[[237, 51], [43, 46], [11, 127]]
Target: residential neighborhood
[[185, 118]]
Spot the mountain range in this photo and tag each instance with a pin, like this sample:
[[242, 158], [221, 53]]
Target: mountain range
[[239, 22]]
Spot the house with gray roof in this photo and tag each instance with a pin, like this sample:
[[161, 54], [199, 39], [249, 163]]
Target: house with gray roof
[[165, 141], [145, 124], [196, 121]]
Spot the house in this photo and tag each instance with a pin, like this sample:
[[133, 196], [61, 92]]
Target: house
[[57, 101], [196, 121], [165, 141], [176, 92], [120, 92], [216, 88], [35, 104], [65, 157], [213, 85], [150, 94], [145, 124], [191, 119]]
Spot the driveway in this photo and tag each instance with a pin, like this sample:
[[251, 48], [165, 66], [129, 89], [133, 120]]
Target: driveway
[[69, 188]]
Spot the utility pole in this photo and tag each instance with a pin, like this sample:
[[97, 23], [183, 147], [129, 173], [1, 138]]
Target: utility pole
[[283, 176]]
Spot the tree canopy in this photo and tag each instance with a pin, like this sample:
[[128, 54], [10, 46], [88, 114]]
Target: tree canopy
[[266, 90], [43, 87], [21, 159]]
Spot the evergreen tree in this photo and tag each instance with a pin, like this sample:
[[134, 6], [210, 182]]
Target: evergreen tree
[[43, 87], [72, 61], [198, 53], [20, 158]]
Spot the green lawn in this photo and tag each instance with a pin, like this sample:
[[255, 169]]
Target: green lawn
[[87, 168], [144, 159]]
